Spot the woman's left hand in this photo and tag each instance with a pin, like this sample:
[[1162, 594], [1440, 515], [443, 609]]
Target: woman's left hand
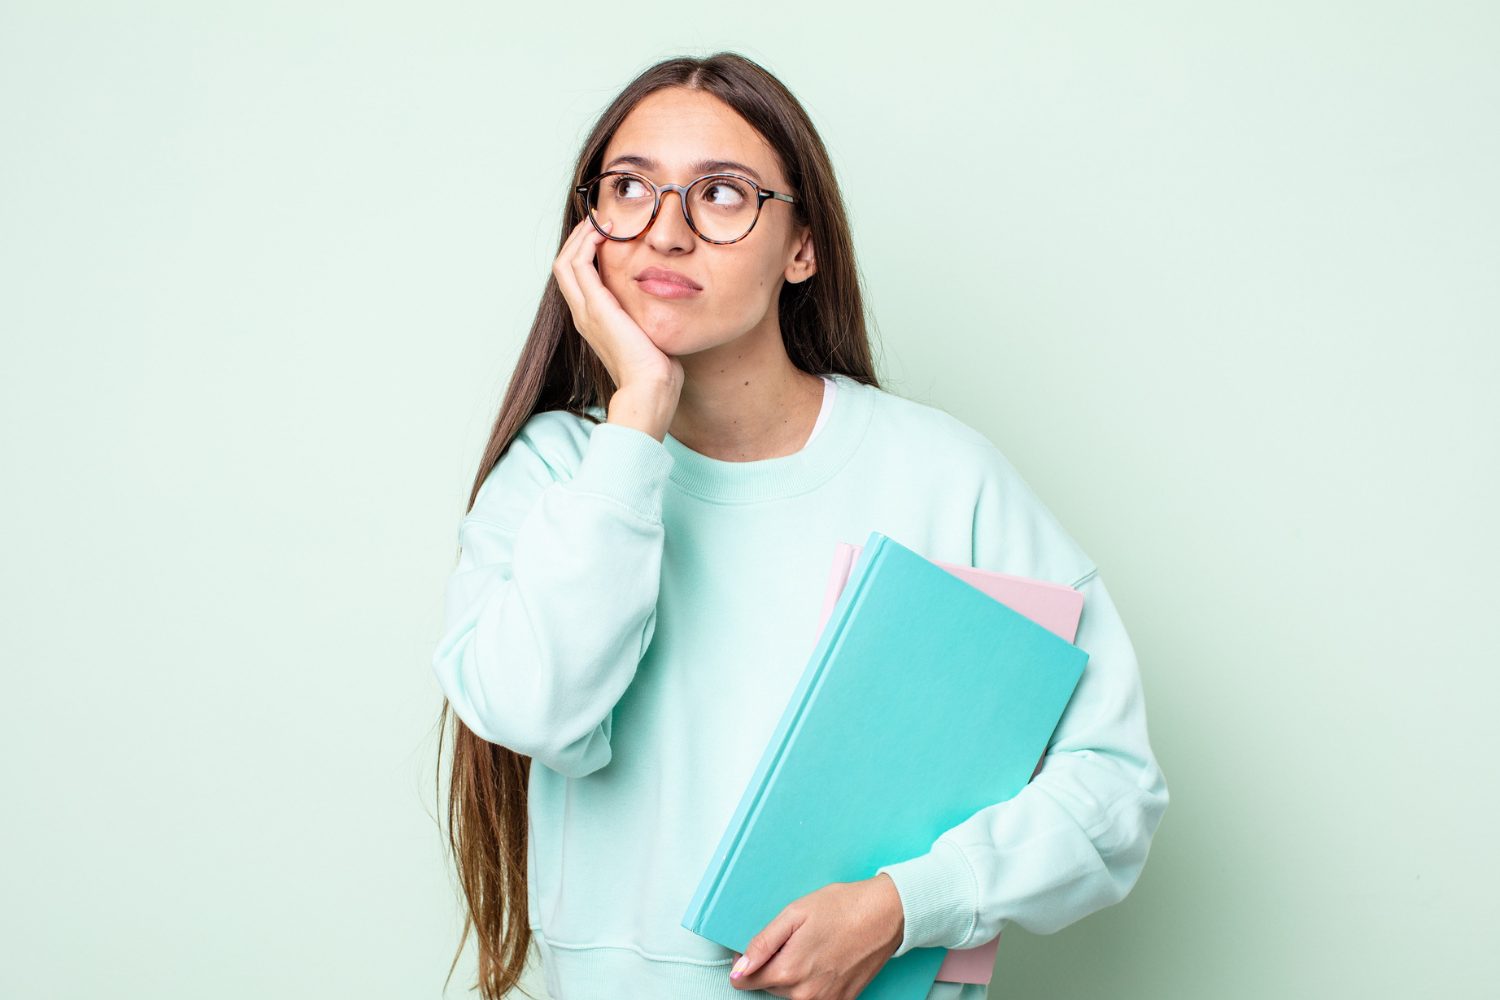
[[826, 945]]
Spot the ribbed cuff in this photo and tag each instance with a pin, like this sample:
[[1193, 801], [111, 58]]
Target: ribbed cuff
[[939, 897], [627, 465]]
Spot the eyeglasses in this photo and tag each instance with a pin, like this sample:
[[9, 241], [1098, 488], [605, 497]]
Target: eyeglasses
[[719, 208]]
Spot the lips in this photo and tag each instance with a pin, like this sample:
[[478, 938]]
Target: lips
[[665, 274]]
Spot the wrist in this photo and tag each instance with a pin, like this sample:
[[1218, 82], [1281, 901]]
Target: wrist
[[896, 911], [648, 409]]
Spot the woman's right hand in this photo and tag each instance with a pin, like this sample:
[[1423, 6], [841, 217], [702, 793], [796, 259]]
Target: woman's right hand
[[632, 358]]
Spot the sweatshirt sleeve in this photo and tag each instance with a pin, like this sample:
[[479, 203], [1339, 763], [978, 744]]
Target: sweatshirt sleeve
[[553, 601], [1075, 839]]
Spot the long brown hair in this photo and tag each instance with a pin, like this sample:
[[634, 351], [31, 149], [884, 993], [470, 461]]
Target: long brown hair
[[823, 327]]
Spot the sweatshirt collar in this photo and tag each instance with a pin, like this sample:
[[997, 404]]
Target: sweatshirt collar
[[786, 475]]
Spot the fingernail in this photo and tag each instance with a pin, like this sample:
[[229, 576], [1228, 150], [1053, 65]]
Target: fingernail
[[738, 968]]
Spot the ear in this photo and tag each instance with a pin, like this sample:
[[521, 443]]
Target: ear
[[803, 264]]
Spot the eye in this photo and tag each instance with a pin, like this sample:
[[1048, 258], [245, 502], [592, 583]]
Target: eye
[[626, 187], [724, 192]]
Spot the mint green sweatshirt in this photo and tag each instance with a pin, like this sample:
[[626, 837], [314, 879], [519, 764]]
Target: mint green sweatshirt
[[633, 616]]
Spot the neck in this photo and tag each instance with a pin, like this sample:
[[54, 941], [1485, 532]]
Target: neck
[[745, 401]]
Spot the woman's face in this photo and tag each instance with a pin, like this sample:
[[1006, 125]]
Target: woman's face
[[666, 138]]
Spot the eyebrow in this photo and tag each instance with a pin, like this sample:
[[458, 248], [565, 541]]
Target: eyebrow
[[701, 166]]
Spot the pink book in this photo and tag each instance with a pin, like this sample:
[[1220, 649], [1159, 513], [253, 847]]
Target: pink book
[[1054, 606]]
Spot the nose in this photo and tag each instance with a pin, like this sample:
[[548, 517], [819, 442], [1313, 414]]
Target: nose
[[670, 227]]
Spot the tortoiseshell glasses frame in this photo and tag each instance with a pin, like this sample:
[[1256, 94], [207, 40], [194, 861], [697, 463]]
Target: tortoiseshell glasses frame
[[762, 195]]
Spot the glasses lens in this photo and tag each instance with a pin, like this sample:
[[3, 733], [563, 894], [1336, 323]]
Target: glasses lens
[[722, 207], [623, 199]]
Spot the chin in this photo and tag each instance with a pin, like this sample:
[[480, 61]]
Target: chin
[[670, 338], [669, 329]]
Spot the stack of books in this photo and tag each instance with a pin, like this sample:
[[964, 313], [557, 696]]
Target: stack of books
[[918, 664]]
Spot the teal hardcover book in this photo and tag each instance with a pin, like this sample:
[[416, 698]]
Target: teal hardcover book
[[912, 665]]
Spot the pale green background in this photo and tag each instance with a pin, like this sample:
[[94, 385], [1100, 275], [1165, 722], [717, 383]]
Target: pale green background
[[1228, 299]]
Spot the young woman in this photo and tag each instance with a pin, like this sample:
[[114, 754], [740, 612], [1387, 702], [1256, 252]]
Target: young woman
[[693, 425]]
